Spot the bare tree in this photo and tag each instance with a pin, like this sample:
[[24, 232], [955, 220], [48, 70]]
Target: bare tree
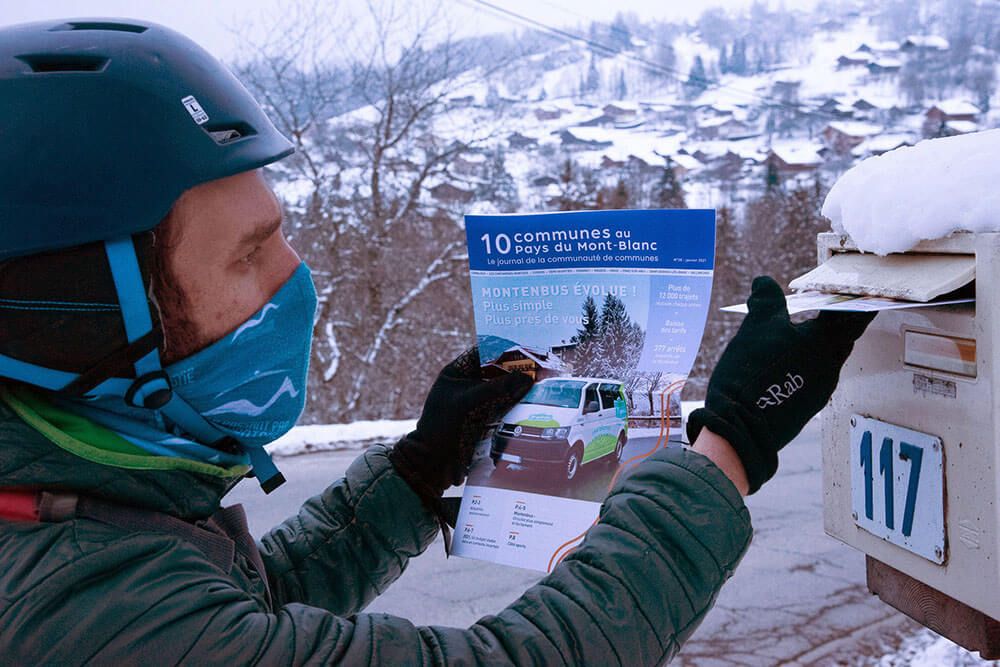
[[365, 110]]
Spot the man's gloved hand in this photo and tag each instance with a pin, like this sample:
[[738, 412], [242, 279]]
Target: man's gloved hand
[[459, 407], [773, 377]]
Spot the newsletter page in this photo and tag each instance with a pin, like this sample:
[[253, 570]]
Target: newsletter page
[[605, 310]]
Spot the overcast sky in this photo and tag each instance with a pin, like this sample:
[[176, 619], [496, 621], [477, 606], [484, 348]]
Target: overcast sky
[[208, 22]]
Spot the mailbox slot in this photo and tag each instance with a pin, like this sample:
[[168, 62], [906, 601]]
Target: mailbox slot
[[911, 277]]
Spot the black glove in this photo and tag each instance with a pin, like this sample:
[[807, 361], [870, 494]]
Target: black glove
[[773, 377], [459, 407]]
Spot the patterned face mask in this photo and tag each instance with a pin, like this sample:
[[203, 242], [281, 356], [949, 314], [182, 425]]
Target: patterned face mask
[[251, 384]]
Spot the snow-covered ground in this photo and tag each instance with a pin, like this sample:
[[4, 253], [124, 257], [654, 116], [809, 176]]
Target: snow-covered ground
[[358, 435], [327, 437], [927, 649]]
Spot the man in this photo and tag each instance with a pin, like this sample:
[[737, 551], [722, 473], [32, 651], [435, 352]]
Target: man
[[154, 335]]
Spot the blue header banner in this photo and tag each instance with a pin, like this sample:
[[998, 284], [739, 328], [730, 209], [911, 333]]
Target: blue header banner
[[644, 239]]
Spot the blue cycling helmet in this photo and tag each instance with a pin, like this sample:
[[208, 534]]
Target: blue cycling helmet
[[104, 123]]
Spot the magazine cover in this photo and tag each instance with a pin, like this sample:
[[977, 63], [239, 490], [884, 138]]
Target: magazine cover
[[605, 310]]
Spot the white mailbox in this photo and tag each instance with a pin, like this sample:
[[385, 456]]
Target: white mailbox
[[911, 437]]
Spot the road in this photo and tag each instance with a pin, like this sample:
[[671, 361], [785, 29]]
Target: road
[[798, 597]]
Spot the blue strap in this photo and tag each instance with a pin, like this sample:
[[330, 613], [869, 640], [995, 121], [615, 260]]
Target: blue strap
[[132, 297], [135, 314], [47, 378], [264, 470]]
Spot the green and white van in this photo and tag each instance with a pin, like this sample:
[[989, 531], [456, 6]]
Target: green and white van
[[566, 422]]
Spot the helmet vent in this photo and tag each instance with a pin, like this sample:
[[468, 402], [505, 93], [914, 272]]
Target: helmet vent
[[48, 62], [227, 134], [100, 25]]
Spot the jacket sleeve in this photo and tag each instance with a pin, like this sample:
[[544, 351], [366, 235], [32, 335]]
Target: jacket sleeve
[[347, 544], [645, 576]]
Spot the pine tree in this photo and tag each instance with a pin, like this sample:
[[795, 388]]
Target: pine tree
[[593, 83], [590, 324], [621, 36], [670, 193], [622, 91], [613, 350], [697, 80], [738, 61], [723, 60], [772, 181], [498, 186]]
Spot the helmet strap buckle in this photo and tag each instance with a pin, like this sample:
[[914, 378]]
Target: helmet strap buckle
[[151, 391]]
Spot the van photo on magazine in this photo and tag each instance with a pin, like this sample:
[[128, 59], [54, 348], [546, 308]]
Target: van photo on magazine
[[605, 311]]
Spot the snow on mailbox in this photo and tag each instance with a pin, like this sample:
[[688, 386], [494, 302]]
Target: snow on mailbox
[[911, 437]]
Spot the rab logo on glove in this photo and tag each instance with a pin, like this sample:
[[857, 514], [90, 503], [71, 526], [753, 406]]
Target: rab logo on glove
[[779, 393]]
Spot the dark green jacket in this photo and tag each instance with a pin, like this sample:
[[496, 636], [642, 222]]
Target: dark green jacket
[[86, 592]]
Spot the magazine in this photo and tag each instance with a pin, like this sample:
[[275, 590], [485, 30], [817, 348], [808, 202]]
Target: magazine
[[605, 310]]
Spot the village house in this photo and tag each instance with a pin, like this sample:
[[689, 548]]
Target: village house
[[950, 117], [518, 141], [725, 127], [842, 137], [549, 112], [786, 90], [469, 164], [835, 107], [855, 59], [622, 111], [727, 166], [882, 143], [446, 193], [924, 43], [880, 48], [579, 139], [536, 363], [684, 164], [885, 66], [794, 158], [461, 101]]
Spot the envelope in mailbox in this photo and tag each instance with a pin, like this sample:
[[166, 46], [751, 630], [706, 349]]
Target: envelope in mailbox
[[801, 302]]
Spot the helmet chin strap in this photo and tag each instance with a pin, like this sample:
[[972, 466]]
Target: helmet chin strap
[[151, 388]]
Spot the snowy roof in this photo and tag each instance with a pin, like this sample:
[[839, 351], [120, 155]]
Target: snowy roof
[[624, 106], [962, 126], [551, 109], [623, 153], [686, 162], [891, 202], [797, 153], [927, 42], [853, 129], [598, 134], [543, 359], [718, 122], [860, 56], [888, 63], [886, 142], [956, 107], [881, 46], [869, 101]]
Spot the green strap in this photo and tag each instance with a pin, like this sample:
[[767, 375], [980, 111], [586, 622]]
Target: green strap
[[82, 437]]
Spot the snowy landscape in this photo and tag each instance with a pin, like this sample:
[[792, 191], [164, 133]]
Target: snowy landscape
[[754, 113]]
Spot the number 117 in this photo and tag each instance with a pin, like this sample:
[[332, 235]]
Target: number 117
[[907, 452]]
